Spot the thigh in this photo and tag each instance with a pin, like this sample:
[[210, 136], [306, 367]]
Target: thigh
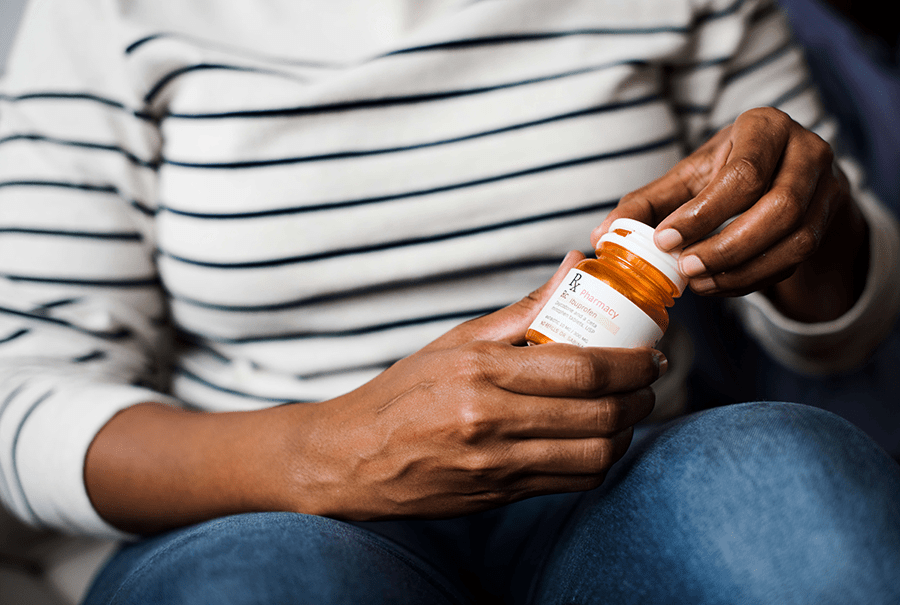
[[493, 556], [270, 558], [752, 503]]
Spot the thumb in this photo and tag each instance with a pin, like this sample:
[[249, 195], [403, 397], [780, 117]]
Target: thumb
[[509, 324], [656, 200]]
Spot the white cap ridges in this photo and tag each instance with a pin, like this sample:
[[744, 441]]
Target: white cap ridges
[[639, 240]]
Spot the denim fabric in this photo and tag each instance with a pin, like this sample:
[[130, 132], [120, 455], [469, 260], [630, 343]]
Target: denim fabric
[[269, 558], [752, 503], [763, 503]]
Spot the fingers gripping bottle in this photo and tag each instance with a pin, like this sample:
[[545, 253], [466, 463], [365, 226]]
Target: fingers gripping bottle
[[618, 299]]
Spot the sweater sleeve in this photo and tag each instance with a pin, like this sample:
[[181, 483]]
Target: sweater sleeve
[[82, 314], [764, 66]]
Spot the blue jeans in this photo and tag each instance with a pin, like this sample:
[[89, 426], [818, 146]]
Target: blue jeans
[[752, 503]]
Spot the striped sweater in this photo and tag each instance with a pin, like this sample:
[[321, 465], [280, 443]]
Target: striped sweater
[[274, 201]]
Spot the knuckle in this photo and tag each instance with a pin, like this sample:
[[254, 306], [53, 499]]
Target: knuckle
[[474, 360], [773, 117], [472, 424], [820, 149], [636, 202], [787, 208], [723, 254], [583, 373], [633, 197], [749, 173], [478, 464], [691, 175], [779, 119], [533, 301], [599, 455], [482, 350], [610, 411]]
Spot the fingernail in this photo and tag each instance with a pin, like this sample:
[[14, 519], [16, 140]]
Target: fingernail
[[691, 265], [703, 285], [668, 239], [662, 362]]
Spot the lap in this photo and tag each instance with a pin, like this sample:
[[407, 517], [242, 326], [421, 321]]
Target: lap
[[770, 497], [269, 558], [753, 503]]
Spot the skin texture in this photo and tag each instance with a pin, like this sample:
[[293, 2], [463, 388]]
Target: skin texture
[[798, 236], [475, 420], [472, 421]]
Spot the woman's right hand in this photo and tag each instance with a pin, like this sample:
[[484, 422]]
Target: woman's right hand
[[472, 421]]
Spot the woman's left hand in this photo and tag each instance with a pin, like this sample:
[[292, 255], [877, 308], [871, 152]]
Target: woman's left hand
[[789, 197]]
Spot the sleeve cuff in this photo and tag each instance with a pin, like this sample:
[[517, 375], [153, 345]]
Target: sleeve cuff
[[847, 342], [52, 448]]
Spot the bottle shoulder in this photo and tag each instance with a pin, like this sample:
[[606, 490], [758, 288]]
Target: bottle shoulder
[[608, 273], [628, 285], [594, 267]]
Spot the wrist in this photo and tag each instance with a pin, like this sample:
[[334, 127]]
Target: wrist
[[829, 283], [300, 467]]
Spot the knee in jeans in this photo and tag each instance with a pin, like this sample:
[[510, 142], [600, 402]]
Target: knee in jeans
[[780, 462], [777, 436], [762, 456], [780, 500]]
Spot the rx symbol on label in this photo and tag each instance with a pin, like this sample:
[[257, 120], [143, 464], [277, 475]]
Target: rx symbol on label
[[573, 285]]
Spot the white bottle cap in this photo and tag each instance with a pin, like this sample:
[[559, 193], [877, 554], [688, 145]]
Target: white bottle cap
[[639, 240]]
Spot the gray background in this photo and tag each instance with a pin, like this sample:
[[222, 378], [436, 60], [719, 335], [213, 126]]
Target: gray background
[[10, 11]]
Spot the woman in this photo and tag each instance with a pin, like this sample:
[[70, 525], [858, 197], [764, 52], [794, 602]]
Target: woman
[[314, 197]]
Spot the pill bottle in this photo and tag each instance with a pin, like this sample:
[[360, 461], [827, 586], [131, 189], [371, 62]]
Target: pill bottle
[[618, 299]]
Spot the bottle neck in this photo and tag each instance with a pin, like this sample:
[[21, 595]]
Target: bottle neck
[[640, 275]]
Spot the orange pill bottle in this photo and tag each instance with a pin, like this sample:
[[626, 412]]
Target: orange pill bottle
[[618, 299]]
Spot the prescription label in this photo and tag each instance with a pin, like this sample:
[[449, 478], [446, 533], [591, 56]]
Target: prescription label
[[587, 312]]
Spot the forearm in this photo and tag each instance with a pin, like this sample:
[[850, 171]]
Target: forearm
[[154, 467], [470, 422]]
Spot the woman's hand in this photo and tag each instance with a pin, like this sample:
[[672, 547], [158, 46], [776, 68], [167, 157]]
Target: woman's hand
[[795, 217], [471, 422]]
